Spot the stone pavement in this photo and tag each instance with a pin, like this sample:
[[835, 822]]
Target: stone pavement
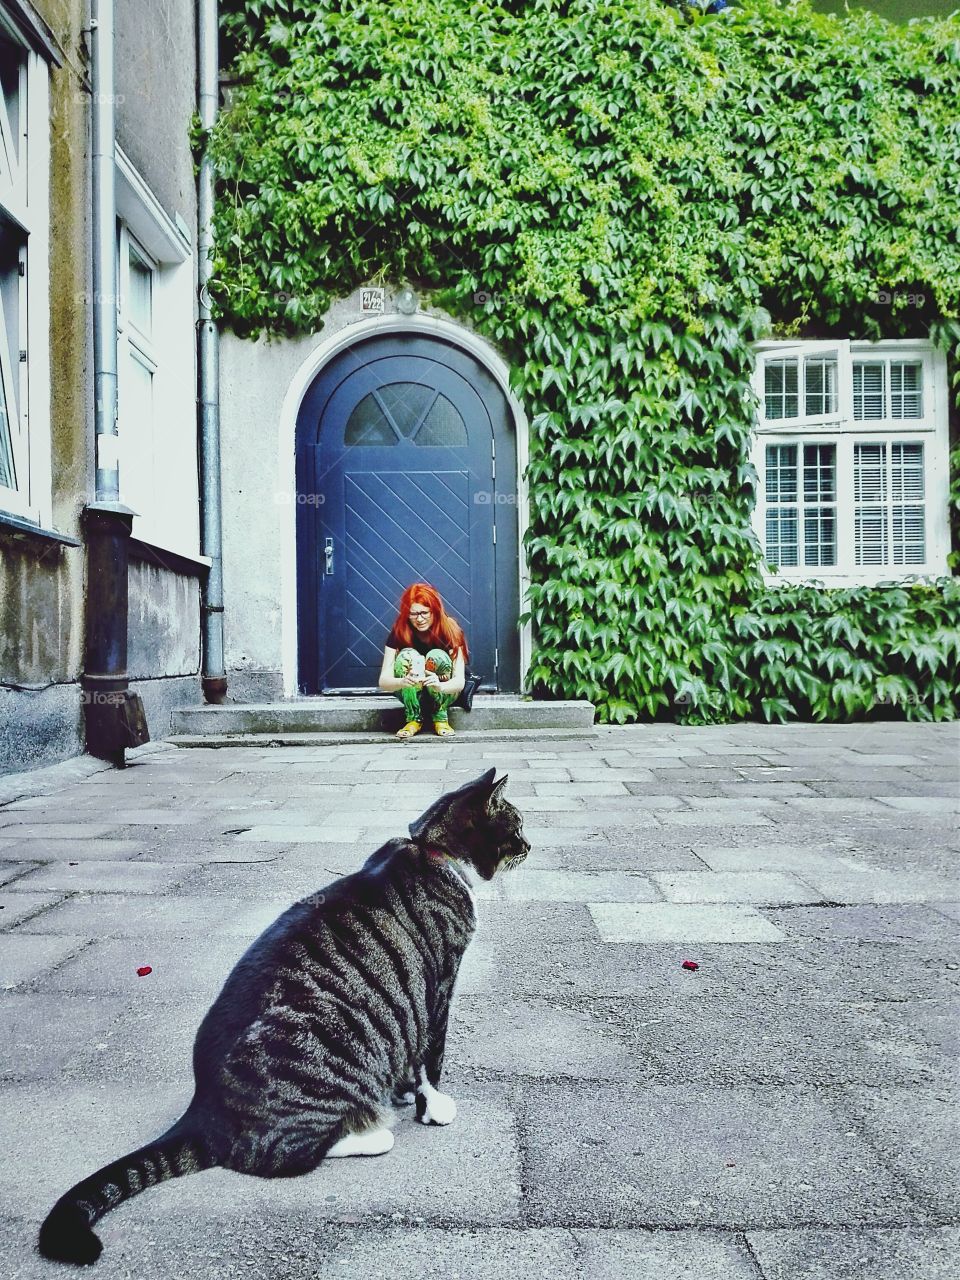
[[787, 1111]]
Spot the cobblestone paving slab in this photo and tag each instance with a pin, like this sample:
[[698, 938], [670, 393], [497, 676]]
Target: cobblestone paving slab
[[747, 1157], [671, 922], [44, 1034], [874, 1253], [917, 1134], [15, 907], [664, 1255], [102, 877], [786, 1111]]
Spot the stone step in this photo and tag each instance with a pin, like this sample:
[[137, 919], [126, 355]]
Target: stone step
[[332, 739], [372, 714]]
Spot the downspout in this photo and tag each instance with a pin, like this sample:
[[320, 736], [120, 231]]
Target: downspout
[[113, 716], [213, 677]]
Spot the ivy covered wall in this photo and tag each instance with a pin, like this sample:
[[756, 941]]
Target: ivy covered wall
[[623, 198]]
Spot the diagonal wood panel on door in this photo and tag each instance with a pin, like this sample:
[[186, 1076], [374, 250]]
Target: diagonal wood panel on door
[[403, 527]]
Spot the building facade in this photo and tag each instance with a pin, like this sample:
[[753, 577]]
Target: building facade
[[47, 454]]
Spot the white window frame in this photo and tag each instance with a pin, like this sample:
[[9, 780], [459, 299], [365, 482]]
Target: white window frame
[[842, 430], [158, 461], [801, 352], [24, 202], [137, 438]]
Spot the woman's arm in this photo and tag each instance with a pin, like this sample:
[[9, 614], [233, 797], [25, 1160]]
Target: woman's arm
[[390, 683]]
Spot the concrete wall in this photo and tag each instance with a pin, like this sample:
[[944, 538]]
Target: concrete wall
[[164, 623]]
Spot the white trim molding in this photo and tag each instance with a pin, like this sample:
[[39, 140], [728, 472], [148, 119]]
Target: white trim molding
[[426, 325]]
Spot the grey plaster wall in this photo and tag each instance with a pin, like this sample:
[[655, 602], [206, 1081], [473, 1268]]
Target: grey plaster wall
[[164, 622], [41, 584], [255, 377], [156, 91]]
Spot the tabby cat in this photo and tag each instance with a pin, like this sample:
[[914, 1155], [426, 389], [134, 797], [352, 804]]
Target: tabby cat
[[339, 1006]]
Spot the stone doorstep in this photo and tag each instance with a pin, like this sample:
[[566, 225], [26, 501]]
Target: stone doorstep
[[331, 738], [373, 714]]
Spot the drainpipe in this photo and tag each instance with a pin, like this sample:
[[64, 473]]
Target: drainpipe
[[113, 716], [213, 678]]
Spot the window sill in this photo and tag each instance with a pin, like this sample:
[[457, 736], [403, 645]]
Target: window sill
[[166, 558], [845, 581], [18, 527]]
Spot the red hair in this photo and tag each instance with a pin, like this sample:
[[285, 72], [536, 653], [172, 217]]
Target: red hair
[[444, 633]]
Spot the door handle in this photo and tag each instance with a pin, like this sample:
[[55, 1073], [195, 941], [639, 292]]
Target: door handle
[[327, 556]]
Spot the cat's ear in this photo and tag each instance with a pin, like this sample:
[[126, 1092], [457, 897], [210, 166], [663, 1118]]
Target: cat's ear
[[497, 792], [446, 815]]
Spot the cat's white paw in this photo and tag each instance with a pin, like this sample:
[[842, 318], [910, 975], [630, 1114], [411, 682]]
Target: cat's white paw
[[372, 1142], [440, 1108]]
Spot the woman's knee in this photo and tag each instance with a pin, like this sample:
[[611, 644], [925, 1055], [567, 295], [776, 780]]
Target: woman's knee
[[405, 662], [438, 660]]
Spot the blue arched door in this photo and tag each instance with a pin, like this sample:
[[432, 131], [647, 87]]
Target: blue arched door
[[406, 472]]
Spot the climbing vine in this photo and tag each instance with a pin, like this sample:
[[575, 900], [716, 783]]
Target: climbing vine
[[620, 197]]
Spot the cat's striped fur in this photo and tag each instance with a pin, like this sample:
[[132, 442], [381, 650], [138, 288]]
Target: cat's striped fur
[[339, 1005]]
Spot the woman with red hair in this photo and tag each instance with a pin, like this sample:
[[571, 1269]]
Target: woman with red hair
[[424, 660]]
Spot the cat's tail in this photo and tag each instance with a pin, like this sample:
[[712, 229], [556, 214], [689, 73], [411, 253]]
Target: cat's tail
[[67, 1234]]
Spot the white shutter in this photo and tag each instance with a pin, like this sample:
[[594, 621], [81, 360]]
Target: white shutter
[[906, 389], [870, 504], [907, 493], [869, 390], [889, 503]]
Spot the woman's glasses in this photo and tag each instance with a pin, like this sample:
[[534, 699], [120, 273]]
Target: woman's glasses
[[419, 613]]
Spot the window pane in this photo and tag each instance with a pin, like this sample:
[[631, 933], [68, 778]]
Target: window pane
[[909, 540], [141, 293], [11, 62], [781, 473], [869, 473], [781, 547], [405, 403], [8, 474], [820, 385], [781, 399], [869, 400], [870, 535], [906, 389], [443, 425], [906, 472], [870, 510], [906, 489], [819, 473], [819, 486], [11, 241], [367, 425], [820, 535], [781, 544]]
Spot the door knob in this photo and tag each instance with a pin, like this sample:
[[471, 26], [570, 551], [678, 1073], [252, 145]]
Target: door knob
[[328, 556]]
